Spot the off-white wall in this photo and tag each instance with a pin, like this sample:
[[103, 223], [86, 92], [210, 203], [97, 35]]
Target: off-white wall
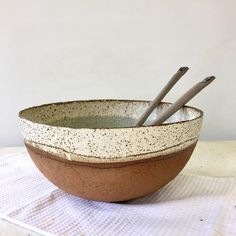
[[65, 50]]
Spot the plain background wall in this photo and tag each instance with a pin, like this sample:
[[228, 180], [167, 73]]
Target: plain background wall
[[59, 50]]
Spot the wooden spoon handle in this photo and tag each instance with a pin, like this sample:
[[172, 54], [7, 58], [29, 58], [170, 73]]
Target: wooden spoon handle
[[161, 95], [183, 100]]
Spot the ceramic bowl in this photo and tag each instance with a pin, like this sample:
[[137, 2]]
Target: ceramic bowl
[[90, 149]]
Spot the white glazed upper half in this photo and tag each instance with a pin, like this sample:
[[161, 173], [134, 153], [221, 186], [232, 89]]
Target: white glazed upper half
[[108, 144]]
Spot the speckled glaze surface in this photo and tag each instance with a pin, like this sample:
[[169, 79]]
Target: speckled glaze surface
[[108, 144]]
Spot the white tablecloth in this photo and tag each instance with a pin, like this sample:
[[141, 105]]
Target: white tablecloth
[[189, 205]]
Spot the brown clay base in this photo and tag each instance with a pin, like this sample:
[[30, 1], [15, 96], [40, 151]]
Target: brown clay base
[[110, 182]]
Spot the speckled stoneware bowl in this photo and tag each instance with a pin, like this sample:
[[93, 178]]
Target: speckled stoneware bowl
[[89, 149]]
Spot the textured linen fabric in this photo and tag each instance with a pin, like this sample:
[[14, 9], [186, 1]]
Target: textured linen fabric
[[189, 205]]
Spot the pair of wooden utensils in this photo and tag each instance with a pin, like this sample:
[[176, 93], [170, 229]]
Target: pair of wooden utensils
[[173, 108]]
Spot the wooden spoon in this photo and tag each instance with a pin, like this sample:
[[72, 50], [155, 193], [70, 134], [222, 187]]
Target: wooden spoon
[[183, 100], [174, 79]]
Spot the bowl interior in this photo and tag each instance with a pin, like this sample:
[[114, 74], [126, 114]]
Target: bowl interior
[[101, 113]]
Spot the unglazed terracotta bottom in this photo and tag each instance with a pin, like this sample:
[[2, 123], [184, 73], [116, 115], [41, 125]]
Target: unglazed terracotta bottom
[[110, 182]]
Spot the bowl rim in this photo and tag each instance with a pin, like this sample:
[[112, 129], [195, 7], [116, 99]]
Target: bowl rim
[[21, 115]]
